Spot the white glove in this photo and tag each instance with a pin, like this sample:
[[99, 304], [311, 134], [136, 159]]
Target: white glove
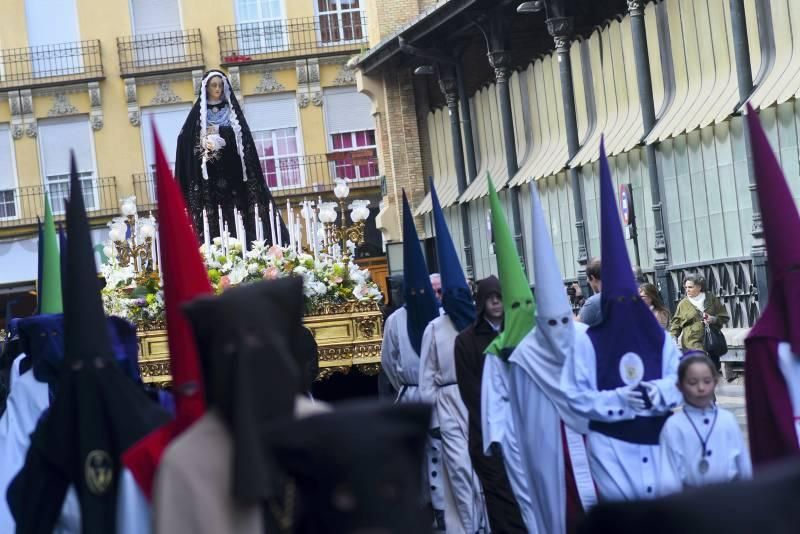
[[632, 398], [652, 392]]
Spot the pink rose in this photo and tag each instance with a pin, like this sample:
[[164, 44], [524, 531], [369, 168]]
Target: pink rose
[[337, 279], [224, 282], [275, 252], [271, 273]]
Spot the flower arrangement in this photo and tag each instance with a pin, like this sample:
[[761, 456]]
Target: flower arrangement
[[326, 279]]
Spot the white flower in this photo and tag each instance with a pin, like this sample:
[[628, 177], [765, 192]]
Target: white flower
[[300, 270]]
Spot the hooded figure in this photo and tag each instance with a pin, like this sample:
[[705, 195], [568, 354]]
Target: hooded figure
[[464, 507], [772, 364], [501, 505], [184, 278], [400, 350], [217, 163], [519, 311], [551, 433], [622, 373], [347, 484], [218, 476], [98, 411]]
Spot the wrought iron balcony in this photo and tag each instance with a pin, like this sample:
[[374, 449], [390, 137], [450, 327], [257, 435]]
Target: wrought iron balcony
[[293, 175], [323, 35], [23, 205], [48, 65], [160, 53]]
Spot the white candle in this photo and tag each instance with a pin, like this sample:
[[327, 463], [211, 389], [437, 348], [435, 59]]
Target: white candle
[[278, 233], [158, 253], [244, 233], [298, 233], [206, 236], [272, 228], [255, 222], [221, 222]]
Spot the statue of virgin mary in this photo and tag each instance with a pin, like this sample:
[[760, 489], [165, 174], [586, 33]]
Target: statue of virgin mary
[[217, 164]]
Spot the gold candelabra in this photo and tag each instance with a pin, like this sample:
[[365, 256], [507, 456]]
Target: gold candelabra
[[342, 233], [140, 249]]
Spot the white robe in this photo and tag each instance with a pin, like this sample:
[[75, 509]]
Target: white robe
[[134, 515], [621, 470], [682, 450], [790, 368], [400, 362], [464, 506], [497, 426], [539, 407], [26, 402]]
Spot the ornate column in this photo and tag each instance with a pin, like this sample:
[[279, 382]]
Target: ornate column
[[560, 28], [744, 77], [448, 83], [645, 85], [500, 61]]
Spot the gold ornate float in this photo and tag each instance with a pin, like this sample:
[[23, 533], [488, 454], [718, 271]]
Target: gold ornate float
[[341, 299], [348, 336]]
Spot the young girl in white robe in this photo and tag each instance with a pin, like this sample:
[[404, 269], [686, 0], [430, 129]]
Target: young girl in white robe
[[702, 443]]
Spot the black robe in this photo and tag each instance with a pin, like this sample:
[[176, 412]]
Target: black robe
[[501, 506], [225, 186]]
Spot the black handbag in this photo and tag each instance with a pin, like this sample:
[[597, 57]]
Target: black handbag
[[714, 342]]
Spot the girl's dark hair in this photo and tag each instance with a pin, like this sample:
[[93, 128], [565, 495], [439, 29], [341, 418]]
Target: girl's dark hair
[[697, 356], [652, 291]]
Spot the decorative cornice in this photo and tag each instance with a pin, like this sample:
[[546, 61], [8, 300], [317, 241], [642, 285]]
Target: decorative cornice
[[134, 118], [31, 129], [97, 122], [302, 100], [346, 76], [164, 95], [17, 131], [316, 98], [61, 106], [268, 84], [130, 90], [95, 100]]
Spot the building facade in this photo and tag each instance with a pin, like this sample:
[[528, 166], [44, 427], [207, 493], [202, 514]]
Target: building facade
[[524, 91], [91, 75]]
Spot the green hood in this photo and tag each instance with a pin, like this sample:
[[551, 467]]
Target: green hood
[[518, 305], [50, 300]]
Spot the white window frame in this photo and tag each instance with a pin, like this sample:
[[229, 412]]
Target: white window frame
[[354, 148], [138, 45], [274, 40], [58, 207], [338, 12], [14, 190], [277, 158]]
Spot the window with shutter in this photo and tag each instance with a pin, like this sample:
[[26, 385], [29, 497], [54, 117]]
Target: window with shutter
[[8, 179], [262, 26], [157, 26], [168, 121], [51, 22], [57, 139], [273, 122], [349, 123]]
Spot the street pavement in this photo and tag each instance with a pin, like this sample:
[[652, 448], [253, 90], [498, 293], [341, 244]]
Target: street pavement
[[731, 397]]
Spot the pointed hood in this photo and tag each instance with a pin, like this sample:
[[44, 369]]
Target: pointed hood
[[420, 300], [456, 296], [628, 343], [553, 313], [781, 318], [98, 411], [184, 278], [85, 338], [50, 280], [519, 309]]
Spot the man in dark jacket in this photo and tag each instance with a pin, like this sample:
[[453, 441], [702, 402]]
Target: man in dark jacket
[[504, 514]]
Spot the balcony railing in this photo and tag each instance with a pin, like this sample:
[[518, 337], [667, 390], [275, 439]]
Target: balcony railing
[[293, 175], [160, 52], [323, 35], [144, 188], [46, 65], [22, 206]]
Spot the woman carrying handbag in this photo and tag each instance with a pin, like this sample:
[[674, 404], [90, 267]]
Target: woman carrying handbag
[[699, 320]]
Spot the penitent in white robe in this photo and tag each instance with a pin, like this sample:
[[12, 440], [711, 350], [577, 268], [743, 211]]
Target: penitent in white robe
[[789, 365], [621, 470], [464, 506], [26, 402], [134, 515], [497, 426], [682, 450], [400, 362], [548, 431]]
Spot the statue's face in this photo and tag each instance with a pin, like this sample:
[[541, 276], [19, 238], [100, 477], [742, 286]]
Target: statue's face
[[214, 88]]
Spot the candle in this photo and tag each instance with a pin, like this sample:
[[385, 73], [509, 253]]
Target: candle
[[278, 233], [272, 228], [206, 236], [298, 233], [220, 220], [255, 222], [244, 233], [158, 253]]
